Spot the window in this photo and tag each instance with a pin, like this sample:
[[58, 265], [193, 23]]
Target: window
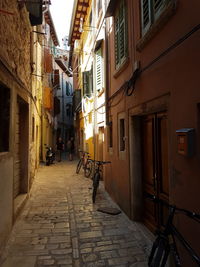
[[99, 69], [151, 10], [4, 118], [121, 44], [88, 83], [67, 89], [122, 134]]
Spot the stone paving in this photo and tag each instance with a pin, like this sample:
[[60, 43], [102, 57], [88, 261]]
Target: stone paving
[[60, 226]]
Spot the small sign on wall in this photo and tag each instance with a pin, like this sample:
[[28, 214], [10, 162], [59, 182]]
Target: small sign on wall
[[186, 141]]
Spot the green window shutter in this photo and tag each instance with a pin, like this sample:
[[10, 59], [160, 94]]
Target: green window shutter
[[87, 83], [91, 80], [146, 15], [117, 57], [122, 31], [121, 42], [98, 69], [158, 6]]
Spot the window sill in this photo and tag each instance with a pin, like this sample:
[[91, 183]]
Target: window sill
[[168, 12], [123, 66]]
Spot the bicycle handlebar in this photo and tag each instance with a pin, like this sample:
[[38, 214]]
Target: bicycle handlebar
[[188, 213]]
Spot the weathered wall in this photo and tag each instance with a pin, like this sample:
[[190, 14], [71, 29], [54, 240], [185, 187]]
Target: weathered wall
[[15, 74], [6, 200]]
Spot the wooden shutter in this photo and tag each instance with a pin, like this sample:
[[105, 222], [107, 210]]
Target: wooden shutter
[[117, 57], [98, 69], [91, 81], [146, 15], [121, 43], [86, 83], [122, 31], [56, 78], [158, 7], [48, 67]]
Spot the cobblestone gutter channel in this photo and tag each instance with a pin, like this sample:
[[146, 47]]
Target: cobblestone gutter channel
[[61, 227]]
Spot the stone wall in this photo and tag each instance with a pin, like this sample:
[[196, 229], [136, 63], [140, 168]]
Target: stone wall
[[15, 31], [15, 73]]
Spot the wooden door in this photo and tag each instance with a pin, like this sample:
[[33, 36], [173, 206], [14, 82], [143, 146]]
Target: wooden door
[[155, 167], [17, 165]]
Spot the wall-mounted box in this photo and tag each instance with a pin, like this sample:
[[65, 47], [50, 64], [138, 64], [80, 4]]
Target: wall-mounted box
[[186, 141]]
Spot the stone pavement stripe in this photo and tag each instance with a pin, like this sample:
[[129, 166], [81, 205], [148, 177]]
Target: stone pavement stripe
[[60, 227]]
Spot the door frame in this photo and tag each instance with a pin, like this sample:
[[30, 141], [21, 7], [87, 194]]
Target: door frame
[[156, 105]]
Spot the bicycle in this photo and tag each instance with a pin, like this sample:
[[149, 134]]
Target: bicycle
[[86, 163], [96, 177], [165, 242]]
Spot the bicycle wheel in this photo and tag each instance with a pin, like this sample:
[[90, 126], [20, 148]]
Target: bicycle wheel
[[88, 168], [95, 186], [159, 253], [78, 167]]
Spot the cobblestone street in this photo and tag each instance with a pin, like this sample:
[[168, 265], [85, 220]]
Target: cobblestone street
[[59, 226]]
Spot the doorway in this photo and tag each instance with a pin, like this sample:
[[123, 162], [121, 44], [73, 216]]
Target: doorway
[[21, 148], [155, 173]]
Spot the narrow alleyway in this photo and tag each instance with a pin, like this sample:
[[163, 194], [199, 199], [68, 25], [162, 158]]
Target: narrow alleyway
[[59, 226]]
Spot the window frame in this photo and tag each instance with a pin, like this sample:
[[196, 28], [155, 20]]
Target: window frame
[[152, 13], [122, 152], [121, 55]]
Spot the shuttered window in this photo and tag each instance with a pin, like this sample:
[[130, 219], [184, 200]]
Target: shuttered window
[[120, 35], [88, 83], [99, 69], [150, 11]]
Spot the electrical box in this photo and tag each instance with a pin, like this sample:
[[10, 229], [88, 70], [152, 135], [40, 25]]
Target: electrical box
[[186, 141]]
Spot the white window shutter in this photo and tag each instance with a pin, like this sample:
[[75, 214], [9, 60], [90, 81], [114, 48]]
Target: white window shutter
[[98, 70]]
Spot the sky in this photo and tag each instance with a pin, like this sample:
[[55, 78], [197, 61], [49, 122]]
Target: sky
[[61, 13]]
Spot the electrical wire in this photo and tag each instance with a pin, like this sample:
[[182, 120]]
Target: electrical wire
[[129, 86]]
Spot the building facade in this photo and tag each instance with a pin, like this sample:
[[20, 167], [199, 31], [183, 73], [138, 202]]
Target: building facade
[[23, 103], [151, 100], [87, 42], [153, 107], [64, 96]]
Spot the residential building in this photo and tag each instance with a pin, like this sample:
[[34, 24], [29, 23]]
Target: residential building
[[153, 108], [64, 98], [20, 97], [86, 40], [49, 82]]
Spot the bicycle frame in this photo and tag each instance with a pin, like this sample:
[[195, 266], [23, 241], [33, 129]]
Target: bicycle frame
[[185, 244], [167, 239]]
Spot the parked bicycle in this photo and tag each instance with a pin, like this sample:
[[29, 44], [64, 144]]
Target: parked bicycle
[[165, 243], [96, 177], [86, 163]]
